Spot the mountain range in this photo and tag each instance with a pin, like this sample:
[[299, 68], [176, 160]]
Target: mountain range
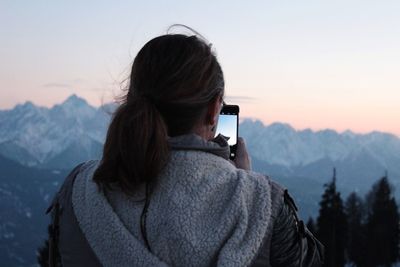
[[38, 146], [56, 137], [360, 159], [74, 131]]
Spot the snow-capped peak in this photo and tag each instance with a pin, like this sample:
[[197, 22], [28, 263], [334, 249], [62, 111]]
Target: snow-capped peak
[[39, 134], [75, 107], [74, 101]]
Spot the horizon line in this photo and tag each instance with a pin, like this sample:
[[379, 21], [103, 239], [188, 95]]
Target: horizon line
[[254, 119]]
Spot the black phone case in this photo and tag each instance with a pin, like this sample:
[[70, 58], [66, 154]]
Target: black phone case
[[232, 110]]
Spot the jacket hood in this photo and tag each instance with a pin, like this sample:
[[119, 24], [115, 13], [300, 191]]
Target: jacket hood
[[203, 211], [110, 240]]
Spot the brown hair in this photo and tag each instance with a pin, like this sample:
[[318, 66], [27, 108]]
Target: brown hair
[[174, 78]]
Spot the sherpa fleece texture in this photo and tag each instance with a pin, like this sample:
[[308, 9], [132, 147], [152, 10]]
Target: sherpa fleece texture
[[203, 212]]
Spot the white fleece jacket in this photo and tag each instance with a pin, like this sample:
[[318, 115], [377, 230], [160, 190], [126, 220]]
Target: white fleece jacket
[[203, 212]]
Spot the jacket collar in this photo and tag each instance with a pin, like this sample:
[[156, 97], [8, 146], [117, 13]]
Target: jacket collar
[[217, 146]]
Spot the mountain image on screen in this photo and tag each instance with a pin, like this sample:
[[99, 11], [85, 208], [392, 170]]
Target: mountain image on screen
[[227, 127]]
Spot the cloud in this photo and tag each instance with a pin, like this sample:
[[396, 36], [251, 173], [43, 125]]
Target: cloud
[[77, 81], [239, 99], [66, 83], [58, 85]]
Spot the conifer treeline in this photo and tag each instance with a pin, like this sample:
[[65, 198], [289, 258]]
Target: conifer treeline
[[358, 232]]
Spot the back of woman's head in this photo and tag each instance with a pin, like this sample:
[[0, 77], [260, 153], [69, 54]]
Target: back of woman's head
[[173, 80]]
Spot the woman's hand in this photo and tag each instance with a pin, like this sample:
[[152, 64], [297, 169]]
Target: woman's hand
[[242, 159]]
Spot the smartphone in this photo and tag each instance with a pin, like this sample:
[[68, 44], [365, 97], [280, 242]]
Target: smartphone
[[228, 125]]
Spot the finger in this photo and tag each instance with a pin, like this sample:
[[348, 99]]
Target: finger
[[241, 145], [241, 141]]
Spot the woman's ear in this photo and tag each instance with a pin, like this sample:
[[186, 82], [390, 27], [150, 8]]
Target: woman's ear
[[213, 110]]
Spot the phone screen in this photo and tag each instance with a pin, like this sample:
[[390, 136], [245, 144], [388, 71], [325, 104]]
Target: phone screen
[[227, 126], [228, 123]]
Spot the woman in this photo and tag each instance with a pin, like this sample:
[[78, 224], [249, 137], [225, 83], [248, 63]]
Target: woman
[[164, 192]]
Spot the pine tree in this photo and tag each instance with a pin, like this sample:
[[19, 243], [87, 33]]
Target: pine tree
[[382, 225], [332, 225], [356, 230]]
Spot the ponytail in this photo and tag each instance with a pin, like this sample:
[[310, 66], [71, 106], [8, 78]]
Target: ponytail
[[136, 147], [174, 77]]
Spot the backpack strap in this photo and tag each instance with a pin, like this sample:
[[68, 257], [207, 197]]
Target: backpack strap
[[311, 250], [55, 209]]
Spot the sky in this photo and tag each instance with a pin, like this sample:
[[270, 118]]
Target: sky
[[227, 127], [312, 64]]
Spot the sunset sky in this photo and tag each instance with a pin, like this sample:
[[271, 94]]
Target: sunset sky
[[312, 64]]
